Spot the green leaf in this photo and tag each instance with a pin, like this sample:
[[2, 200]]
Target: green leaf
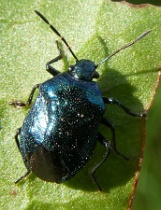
[[94, 29]]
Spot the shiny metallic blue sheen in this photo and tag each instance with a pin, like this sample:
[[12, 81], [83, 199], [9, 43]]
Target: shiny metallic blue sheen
[[60, 131]]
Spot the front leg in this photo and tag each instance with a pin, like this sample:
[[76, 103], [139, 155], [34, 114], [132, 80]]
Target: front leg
[[17, 103], [126, 109], [50, 68]]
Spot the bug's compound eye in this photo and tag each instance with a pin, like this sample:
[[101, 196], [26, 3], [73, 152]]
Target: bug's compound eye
[[95, 65], [95, 74], [71, 68]]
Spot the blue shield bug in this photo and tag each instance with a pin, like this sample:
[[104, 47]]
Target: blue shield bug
[[60, 131]]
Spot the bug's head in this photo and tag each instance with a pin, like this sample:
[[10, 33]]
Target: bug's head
[[84, 70]]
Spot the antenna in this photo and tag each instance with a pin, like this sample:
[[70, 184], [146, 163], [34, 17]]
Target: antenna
[[125, 46], [57, 32]]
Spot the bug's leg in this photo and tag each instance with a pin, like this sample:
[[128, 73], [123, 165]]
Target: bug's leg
[[18, 145], [28, 102], [16, 138], [126, 109], [113, 140], [19, 179], [107, 145], [50, 68]]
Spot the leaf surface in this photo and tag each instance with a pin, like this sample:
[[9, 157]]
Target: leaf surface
[[94, 29]]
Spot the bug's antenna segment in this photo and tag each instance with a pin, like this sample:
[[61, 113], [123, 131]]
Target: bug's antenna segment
[[57, 32], [125, 46]]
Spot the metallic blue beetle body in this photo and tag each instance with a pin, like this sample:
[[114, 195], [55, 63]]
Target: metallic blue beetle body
[[61, 129], [63, 126]]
